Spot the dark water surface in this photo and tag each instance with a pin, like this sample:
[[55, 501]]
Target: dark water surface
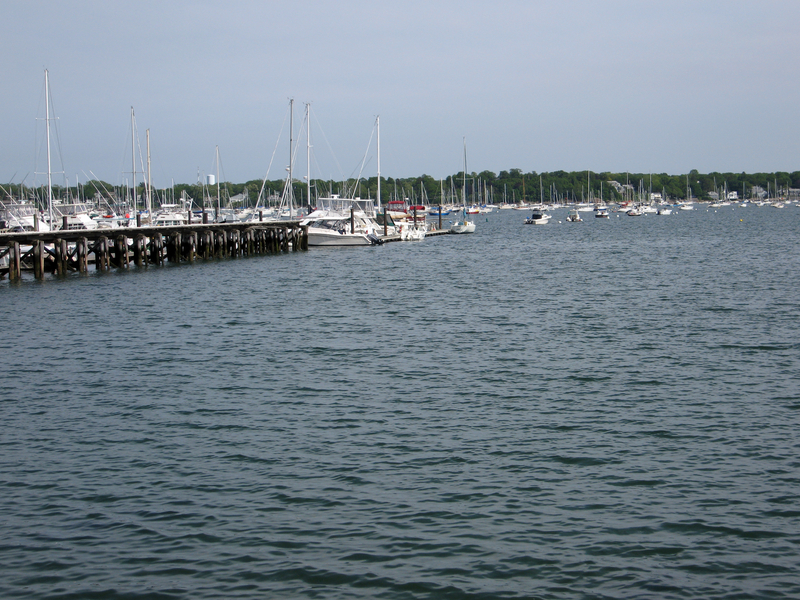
[[607, 409]]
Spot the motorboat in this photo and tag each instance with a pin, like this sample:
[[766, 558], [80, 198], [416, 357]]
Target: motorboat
[[169, 219], [538, 217], [411, 233], [342, 222], [22, 217], [574, 217], [601, 212], [335, 230]]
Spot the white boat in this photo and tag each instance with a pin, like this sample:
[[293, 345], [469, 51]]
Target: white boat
[[342, 222], [169, 218], [335, 230], [538, 217], [464, 225], [411, 233], [574, 217], [22, 217], [601, 212]]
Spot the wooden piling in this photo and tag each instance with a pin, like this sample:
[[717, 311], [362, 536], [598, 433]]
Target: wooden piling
[[174, 248], [138, 241], [157, 249], [38, 259], [284, 239], [82, 254], [64, 267], [61, 256], [191, 246], [121, 258], [14, 271], [101, 258]]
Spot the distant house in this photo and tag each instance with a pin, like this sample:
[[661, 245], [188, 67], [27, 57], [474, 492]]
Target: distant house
[[620, 188], [239, 199], [733, 195]]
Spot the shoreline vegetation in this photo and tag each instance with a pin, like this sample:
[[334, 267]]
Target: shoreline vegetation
[[512, 186]]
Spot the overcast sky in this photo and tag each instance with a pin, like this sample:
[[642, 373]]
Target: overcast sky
[[637, 85]]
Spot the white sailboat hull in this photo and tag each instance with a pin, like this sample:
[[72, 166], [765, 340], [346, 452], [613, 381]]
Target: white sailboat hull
[[463, 227]]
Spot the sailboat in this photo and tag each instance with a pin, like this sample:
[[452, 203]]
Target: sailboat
[[464, 226]]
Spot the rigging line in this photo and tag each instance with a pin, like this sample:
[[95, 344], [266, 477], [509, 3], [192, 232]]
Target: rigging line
[[58, 138], [328, 144], [98, 181], [36, 148], [141, 160], [297, 144], [264, 182], [364, 160], [122, 161]]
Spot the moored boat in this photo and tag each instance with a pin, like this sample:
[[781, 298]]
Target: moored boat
[[538, 217]]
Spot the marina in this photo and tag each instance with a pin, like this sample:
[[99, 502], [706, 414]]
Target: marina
[[268, 333]]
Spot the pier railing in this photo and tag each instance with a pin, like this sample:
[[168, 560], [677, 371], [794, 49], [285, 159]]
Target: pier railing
[[61, 252]]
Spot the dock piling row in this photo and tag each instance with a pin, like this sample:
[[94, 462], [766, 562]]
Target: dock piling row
[[64, 251]]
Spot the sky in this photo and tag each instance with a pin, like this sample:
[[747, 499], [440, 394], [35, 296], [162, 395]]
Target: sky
[[640, 86]]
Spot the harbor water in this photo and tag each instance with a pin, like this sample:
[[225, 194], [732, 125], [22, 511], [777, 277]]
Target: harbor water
[[606, 409]]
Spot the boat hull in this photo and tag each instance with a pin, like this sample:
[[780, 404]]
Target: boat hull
[[317, 238], [468, 227]]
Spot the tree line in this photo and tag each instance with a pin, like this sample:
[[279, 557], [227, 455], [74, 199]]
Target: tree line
[[512, 185]]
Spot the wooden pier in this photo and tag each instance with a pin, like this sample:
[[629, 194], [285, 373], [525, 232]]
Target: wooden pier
[[64, 251]]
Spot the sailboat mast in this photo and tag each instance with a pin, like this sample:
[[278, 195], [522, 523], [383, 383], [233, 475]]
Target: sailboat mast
[[308, 151], [133, 161], [291, 143], [149, 180], [464, 188], [219, 202], [541, 191], [47, 127], [378, 126]]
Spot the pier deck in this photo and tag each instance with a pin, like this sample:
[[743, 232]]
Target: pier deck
[[68, 250]]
